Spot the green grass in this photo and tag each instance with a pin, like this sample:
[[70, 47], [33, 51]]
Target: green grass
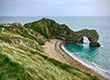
[[21, 63], [22, 58], [12, 38], [1, 25], [15, 29], [49, 28]]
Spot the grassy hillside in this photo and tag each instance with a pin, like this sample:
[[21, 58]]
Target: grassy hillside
[[52, 30], [21, 63], [12, 38], [49, 28], [22, 58], [17, 28]]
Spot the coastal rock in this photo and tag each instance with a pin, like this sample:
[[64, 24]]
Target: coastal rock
[[51, 30], [77, 37]]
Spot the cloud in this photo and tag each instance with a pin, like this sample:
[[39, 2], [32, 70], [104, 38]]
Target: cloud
[[55, 7], [82, 1]]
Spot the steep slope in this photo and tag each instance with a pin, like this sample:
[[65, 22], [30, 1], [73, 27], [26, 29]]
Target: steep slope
[[22, 58], [12, 38], [50, 29], [21, 30], [21, 63]]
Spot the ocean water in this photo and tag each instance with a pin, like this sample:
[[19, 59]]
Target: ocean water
[[96, 58]]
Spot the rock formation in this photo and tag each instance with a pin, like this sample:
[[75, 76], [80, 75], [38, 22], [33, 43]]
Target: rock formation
[[77, 37], [50, 30]]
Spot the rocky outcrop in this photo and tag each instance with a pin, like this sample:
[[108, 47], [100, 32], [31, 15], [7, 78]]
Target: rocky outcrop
[[77, 37], [50, 30], [19, 40]]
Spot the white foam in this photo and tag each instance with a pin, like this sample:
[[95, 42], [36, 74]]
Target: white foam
[[93, 66]]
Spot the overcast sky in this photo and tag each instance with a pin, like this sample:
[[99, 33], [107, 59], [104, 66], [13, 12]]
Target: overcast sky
[[54, 7]]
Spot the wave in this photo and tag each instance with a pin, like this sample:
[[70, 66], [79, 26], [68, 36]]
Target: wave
[[93, 66]]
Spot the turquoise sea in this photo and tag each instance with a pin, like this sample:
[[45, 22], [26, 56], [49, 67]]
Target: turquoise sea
[[96, 58]]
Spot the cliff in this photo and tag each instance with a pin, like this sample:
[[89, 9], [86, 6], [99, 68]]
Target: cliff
[[22, 58], [50, 30]]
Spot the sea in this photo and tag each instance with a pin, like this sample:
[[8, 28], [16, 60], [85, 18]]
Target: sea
[[96, 58]]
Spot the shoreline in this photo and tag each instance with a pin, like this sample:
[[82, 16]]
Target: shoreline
[[96, 69], [53, 48]]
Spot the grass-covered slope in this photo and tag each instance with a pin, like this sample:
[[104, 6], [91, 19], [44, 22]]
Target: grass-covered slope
[[13, 38], [50, 29], [21, 63], [21, 30], [22, 58]]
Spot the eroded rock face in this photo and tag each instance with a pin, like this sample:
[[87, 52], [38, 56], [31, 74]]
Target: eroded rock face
[[50, 30], [77, 37]]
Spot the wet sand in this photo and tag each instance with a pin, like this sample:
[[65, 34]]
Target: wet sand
[[53, 49]]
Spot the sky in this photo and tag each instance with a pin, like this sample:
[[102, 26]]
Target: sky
[[54, 7]]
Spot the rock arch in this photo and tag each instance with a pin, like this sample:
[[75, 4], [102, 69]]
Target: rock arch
[[77, 37], [52, 30], [92, 36]]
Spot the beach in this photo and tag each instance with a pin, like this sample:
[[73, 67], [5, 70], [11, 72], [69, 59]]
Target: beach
[[53, 48]]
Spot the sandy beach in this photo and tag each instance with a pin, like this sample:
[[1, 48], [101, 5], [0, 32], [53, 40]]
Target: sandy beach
[[53, 49]]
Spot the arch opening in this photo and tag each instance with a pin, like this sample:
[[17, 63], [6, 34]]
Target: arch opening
[[86, 40]]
